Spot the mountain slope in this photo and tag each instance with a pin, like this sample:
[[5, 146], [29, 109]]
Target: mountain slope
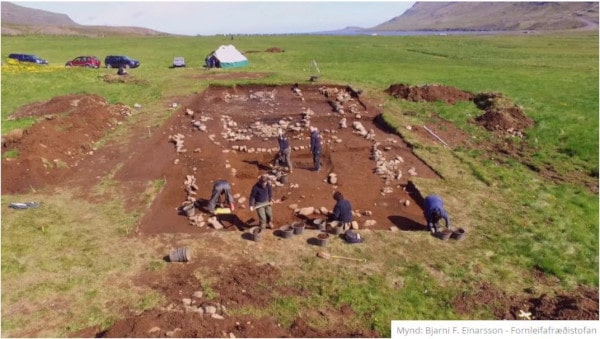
[[19, 20], [494, 16]]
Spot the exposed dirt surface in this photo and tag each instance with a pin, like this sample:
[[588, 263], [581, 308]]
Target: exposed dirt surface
[[241, 284], [447, 94], [582, 304], [500, 116], [60, 143], [230, 133], [274, 50]]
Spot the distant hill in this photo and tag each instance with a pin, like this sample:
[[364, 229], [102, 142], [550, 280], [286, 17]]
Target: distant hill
[[19, 20], [494, 16]]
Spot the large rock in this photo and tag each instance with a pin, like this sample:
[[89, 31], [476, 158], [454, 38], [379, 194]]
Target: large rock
[[306, 211]]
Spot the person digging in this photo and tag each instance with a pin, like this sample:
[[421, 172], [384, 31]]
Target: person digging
[[285, 151], [434, 212], [221, 188], [261, 199]]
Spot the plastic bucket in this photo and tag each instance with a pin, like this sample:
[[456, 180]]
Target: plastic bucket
[[298, 228], [337, 230], [189, 210], [179, 255], [322, 239], [458, 233], [256, 233], [445, 234], [286, 231]]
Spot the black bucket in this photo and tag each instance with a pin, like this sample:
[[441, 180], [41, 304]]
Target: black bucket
[[458, 233], [445, 234], [323, 239], [298, 228], [256, 233], [287, 231], [189, 210], [179, 255]]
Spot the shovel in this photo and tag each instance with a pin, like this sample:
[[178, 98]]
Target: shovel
[[326, 255]]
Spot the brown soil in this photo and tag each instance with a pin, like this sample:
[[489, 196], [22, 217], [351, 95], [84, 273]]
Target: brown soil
[[581, 304], [447, 94], [274, 50], [58, 151], [501, 117]]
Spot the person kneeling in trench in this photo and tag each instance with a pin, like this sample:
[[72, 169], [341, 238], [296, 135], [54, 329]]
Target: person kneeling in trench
[[261, 199], [434, 212], [342, 211]]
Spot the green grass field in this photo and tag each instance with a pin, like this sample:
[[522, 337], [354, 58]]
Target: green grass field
[[524, 221]]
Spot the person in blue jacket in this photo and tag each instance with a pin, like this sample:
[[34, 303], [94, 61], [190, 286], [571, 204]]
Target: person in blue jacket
[[342, 211], [434, 212], [315, 147]]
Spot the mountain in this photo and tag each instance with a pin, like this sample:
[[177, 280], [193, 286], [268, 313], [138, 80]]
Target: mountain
[[494, 16], [19, 20]]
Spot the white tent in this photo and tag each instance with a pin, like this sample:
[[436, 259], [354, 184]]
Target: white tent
[[226, 57]]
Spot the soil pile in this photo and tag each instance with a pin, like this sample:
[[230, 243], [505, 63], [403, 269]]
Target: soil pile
[[57, 144], [274, 50], [447, 94], [582, 304], [501, 114]]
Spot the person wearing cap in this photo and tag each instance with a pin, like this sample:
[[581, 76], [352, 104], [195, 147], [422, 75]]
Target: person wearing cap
[[434, 211], [315, 147], [221, 188], [285, 151], [342, 211], [261, 198]]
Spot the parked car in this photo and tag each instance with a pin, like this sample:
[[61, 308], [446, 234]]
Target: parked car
[[28, 58], [178, 62], [116, 61], [84, 61]]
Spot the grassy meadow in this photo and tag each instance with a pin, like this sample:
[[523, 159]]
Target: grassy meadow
[[518, 222]]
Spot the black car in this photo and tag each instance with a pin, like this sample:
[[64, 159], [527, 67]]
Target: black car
[[116, 61], [28, 58]]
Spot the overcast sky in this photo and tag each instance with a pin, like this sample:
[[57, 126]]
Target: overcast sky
[[223, 17]]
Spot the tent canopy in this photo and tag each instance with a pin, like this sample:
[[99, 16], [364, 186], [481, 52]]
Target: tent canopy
[[226, 57]]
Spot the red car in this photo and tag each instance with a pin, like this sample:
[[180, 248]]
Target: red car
[[84, 61]]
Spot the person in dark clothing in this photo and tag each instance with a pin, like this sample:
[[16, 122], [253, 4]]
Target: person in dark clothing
[[122, 71], [342, 211], [315, 147], [434, 212], [221, 188], [285, 151], [261, 198]]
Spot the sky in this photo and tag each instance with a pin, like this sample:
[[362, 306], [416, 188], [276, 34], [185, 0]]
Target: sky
[[228, 17]]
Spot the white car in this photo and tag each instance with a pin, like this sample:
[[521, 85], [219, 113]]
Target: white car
[[178, 62]]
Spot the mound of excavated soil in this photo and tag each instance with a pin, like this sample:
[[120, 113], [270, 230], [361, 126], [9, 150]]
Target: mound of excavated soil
[[447, 94], [501, 114], [55, 146], [274, 50], [582, 304]]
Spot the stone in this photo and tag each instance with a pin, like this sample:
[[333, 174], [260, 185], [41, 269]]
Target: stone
[[369, 223], [215, 223], [306, 211], [209, 309]]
